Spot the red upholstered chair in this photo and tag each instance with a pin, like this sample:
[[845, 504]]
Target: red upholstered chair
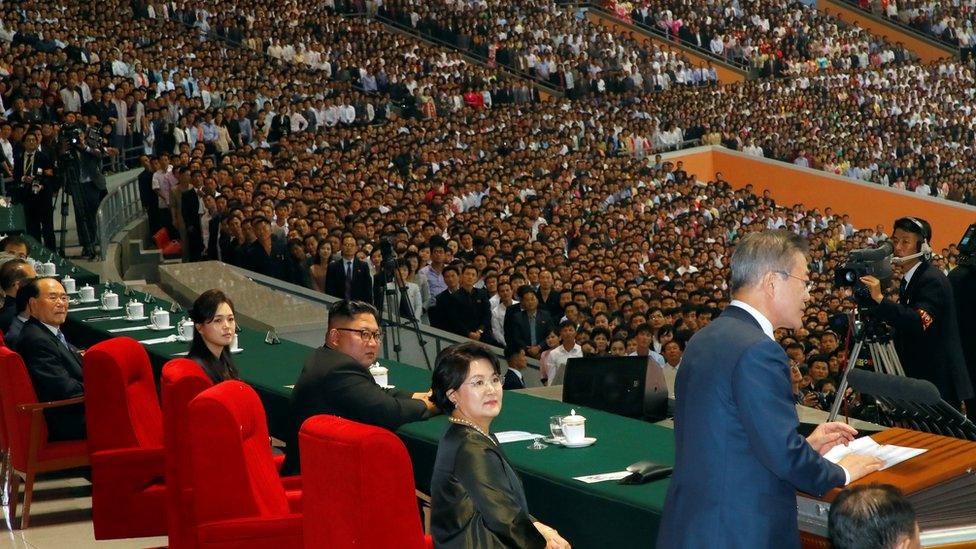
[[166, 245], [30, 452], [125, 441], [238, 498], [182, 381], [358, 487]]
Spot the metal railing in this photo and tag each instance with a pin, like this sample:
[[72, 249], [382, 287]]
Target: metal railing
[[904, 27], [119, 208]]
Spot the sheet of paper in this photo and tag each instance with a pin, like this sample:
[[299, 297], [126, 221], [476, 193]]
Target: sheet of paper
[[167, 339], [602, 477], [890, 454], [76, 309], [515, 436]]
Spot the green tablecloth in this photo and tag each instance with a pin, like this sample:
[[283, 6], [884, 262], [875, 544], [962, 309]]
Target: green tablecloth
[[12, 219], [64, 266], [601, 515]]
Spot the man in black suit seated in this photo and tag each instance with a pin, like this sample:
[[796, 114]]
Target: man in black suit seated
[[16, 245], [515, 358], [54, 364], [267, 255], [349, 278], [463, 309], [13, 274], [527, 325], [336, 379], [12, 335]]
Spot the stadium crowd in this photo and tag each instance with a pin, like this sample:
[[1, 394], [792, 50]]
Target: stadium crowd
[[308, 144]]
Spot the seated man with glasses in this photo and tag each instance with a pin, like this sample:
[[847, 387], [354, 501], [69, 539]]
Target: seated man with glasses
[[336, 379], [54, 364]]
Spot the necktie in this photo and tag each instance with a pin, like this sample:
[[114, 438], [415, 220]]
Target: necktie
[[29, 165], [531, 330], [902, 287], [63, 340], [348, 279]]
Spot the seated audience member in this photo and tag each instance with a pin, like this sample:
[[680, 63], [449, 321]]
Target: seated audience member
[[12, 335], [446, 302], [527, 326], [875, 516], [515, 358], [477, 499], [15, 245], [567, 349], [643, 341], [470, 315], [348, 277], [54, 364], [214, 327], [13, 274], [336, 379], [672, 355]]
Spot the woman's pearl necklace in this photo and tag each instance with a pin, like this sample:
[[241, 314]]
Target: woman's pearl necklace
[[462, 421]]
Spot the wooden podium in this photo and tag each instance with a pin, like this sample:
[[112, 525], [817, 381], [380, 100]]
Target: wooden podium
[[941, 485]]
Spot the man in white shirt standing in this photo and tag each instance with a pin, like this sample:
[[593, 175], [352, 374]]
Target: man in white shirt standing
[[505, 300], [553, 370]]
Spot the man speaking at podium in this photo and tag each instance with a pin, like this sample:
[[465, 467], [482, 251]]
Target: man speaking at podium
[[739, 459]]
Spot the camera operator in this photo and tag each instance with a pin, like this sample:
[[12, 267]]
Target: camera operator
[[963, 279], [34, 174], [82, 149], [924, 318]]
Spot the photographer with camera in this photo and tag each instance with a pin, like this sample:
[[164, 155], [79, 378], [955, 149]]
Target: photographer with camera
[[80, 165], [34, 175], [924, 317]]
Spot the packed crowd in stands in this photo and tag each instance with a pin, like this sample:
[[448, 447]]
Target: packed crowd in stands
[[555, 44], [784, 38], [950, 22], [308, 143]]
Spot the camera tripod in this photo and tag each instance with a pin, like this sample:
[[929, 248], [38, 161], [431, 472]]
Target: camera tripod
[[884, 358], [391, 307]]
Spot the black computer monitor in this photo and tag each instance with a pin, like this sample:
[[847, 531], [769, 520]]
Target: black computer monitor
[[624, 386]]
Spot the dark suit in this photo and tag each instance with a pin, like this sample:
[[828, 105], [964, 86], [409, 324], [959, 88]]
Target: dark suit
[[739, 459], [7, 313], [551, 304], [333, 383], [512, 381], [927, 334], [517, 327], [362, 283], [38, 206], [55, 371], [963, 279]]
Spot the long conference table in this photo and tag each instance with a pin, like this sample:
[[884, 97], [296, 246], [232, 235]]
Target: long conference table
[[599, 515]]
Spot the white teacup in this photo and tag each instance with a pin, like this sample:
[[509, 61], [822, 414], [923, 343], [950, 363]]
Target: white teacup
[[185, 329], [380, 374], [110, 300], [159, 319], [87, 293], [134, 309], [235, 345], [69, 284], [574, 428], [50, 269]]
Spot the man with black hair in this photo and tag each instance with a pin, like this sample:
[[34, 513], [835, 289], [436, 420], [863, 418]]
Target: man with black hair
[[875, 516], [924, 317], [12, 335], [515, 358], [16, 245], [336, 378], [13, 274], [527, 325], [266, 255]]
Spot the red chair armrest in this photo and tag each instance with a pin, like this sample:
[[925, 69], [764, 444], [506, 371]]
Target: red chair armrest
[[142, 463], [292, 482], [279, 460], [428, 542], [251, 529]]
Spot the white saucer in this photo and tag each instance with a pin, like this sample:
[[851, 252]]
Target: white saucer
[[119, 308], [88, 301], [136, 318], [587, 441], [237, 350], [151, 327]]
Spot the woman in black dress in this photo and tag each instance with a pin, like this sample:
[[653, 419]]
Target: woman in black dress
[[477, 500], [214, 327]]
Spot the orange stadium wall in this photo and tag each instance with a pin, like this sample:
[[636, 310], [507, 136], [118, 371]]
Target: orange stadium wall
[[925, 49], [867, 203]]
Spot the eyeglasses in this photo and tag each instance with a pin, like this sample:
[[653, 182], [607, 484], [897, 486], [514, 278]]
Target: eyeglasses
[[58, 297], [480, 383], [365, 335], [808, 284]]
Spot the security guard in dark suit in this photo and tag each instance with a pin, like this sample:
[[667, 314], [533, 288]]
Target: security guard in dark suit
[[963, 279], [924, 318]]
